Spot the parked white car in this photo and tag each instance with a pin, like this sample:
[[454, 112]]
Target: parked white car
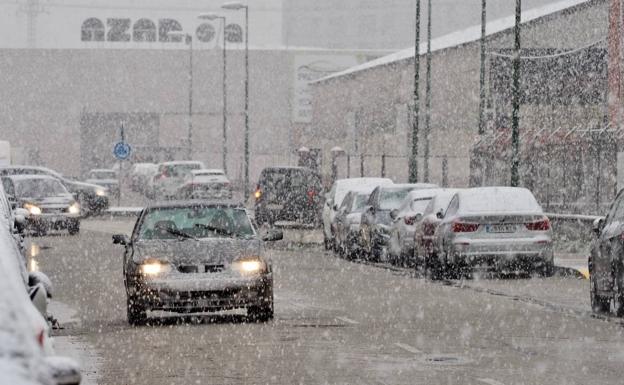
[[404, 222], [336, 194], [140, 174], [492, 228], [205, 184], [346, 225], [170, 175], [26, 351]]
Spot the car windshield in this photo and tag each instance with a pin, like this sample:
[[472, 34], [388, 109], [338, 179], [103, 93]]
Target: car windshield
[[176, 170], [359, 202], [419, 205], [38, 188], [103, 175], [392, 199], [195, 222]]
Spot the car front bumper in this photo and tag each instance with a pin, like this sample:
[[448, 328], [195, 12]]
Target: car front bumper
[[52, 221], [197, 292]]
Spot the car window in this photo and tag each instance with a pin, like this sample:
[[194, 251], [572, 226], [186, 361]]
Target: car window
[[8, 187], [199, 222], [453, 207], [359, 202], [391, 199], [346, 202], [419, 205], [38, 188]]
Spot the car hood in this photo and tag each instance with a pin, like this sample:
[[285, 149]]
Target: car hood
[[61, 200], [205, 251], [102, 181], [81, 186]]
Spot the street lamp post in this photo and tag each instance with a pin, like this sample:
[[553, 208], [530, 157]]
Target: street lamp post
[[237, 7], [482, 69], [515, 115], [209, 16], [413, 162], [427, 96]]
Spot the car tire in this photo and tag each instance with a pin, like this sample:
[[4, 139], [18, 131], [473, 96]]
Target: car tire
[[73, 228], [599, 304], [618, 293], [548, 270], [432, 268], [261, 313], [137, 313]]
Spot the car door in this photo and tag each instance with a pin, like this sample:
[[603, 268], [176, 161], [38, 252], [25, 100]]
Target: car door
[[327, 208], [341, 217], [368, 218], [609, 243], [443, 232]]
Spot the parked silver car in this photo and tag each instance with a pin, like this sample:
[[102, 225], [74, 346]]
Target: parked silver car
[[346, 224], [492, 228], [196, 256]]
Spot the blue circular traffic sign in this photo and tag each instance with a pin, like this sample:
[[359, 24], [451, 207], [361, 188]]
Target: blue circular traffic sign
[[122, 150]]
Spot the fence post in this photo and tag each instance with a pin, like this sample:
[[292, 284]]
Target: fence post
[[362, 165], [383, 165], [445, 171], [348, 166]]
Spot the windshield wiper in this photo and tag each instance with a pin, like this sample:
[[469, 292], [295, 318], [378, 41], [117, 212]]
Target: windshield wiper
[[214, 229], [180, 233]]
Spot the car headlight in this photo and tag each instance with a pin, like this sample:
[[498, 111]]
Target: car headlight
[[32, 209], [100, 192], [74, 208], [250, 266], [154, 268]]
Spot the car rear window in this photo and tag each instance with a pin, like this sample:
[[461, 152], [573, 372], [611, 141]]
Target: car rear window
[[392, 199], [280, 179]]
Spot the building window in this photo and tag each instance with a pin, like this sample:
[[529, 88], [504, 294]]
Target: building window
[[205, 32], [118, 30], [92, 30], [165, 29], [234, 33], [144, 30]]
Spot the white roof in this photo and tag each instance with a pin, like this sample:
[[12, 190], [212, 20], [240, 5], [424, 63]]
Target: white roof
[[454, 39], [212, 171], [498, 200], [343, 186]]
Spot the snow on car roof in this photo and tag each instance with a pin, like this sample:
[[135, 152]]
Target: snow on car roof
[[177, 162], [343, 186], [208, 171], [504, 200], [102, 170], [29, 177]]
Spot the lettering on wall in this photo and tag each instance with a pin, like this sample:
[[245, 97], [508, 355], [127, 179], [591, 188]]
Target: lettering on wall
[[146, 30]]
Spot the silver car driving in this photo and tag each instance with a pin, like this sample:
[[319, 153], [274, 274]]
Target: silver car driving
[[197, 256], [492, 228]]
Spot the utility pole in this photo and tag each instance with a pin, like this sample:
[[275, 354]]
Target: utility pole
[[515, 117], [428, 95], [189, 41], [32, 9], [413, 162], [482, 70]]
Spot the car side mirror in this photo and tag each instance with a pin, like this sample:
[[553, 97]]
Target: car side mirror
[[120, 239], [440, 214], [418, 217], [38, 278], [335, 207], [64, 370], [19, 218], [39, 298], [598, 225], [394, 214], [273, 235]]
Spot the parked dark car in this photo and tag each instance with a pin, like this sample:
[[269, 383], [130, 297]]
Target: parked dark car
[[196, 256], [50, 206], [92, 198], [606, 260], [288, 194], [376, 221]]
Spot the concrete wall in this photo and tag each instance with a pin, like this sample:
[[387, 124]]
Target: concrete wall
[[382, 95]]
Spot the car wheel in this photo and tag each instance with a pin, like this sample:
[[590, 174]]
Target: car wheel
[[137, 313], [432, 268], [261, 313], [618, 294], [548, 269], [74, 228], [599, 304]]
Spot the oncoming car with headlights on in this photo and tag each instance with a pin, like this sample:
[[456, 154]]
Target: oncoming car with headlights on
[[197, 256], [48, 204]]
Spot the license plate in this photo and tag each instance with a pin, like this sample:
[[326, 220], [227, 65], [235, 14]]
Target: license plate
[[274, 206], [501, 229]]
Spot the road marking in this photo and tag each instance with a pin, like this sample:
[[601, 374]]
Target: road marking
[[347, 320], [490, 381], [408, 348]]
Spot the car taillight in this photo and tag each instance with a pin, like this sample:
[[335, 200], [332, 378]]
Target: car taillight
[[258, 193], [462, 227], [41, 337], [543, 225], [409, 220]]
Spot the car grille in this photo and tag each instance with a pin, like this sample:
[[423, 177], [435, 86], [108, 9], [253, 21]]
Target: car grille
[[195, 295], [57, 210], [193, 269]]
